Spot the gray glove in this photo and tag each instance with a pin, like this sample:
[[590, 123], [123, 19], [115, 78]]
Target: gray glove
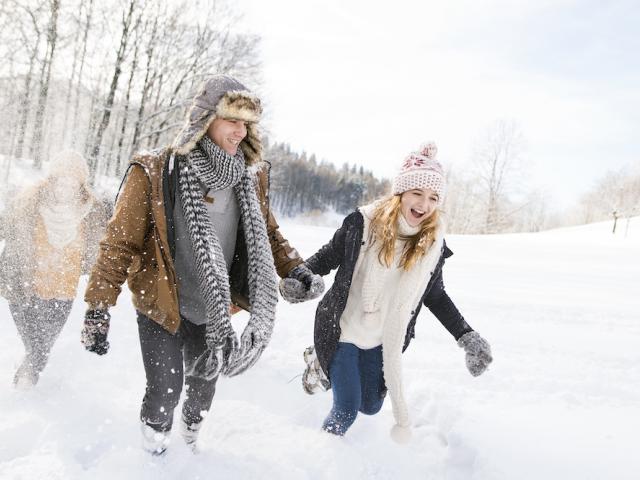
[[95, 330], [478, 352], [301, 284], [252, 344], [209, 365]]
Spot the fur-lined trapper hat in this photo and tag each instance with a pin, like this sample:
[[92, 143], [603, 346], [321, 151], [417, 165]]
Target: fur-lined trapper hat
[[222, 96]]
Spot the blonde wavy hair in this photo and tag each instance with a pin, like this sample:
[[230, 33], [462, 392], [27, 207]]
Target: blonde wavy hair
[[384, 228]]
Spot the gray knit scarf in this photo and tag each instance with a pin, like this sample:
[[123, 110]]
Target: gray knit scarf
[[217, 170]]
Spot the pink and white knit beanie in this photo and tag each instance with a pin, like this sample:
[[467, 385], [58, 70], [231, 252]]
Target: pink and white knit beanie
[[421, 170]]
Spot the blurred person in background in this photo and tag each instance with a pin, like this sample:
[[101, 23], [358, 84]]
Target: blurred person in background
[[51, 232]]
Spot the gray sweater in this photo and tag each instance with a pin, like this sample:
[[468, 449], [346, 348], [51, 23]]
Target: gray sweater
[[224, 214]]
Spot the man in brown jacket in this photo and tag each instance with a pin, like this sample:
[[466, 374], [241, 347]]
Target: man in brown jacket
[[193, 235]]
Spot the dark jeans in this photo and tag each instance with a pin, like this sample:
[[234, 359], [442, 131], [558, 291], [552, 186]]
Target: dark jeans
[[357, 383], [165, 357], [39, 322]]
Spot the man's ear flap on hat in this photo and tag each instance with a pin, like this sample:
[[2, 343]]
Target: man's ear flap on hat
[[252, 145]]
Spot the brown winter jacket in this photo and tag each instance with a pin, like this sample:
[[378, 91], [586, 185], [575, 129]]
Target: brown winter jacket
[[136, 247]]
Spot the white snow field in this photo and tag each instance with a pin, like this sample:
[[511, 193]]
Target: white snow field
[[561, 400]]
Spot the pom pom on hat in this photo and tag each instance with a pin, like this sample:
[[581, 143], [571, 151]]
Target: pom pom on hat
[[429, 150], [420, 169]]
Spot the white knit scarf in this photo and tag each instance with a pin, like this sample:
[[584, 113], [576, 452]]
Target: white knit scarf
[[61, 221]]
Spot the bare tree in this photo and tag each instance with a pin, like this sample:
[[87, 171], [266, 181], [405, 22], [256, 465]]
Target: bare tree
[[127, 98], [617, 191], [195, 50], [94, 112], [72, 73], [463, 205], [127, 16], [497, 159], [45, 78], [76, 20], [31, 35], [88, 18], [148, 80]]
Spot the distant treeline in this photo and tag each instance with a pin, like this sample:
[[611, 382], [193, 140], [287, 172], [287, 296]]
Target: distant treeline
[[301, 185]]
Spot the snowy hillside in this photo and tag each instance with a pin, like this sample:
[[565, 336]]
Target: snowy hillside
[[561, 401]]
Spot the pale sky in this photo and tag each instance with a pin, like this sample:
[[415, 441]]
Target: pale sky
[[366, 82]]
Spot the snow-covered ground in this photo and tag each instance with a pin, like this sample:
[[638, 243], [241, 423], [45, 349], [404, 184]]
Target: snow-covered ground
[[561, 401]]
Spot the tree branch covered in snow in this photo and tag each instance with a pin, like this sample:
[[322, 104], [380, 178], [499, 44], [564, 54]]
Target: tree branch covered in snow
[[109, 78]]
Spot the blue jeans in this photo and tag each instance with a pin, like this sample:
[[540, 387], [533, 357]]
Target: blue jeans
[[357, 383]]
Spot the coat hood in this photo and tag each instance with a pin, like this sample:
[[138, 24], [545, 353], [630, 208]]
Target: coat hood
[[69, 163]]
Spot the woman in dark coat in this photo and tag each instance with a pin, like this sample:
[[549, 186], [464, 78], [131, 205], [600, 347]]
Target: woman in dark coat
[[389, 255]]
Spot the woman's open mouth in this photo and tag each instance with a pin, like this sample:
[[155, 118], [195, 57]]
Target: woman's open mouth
[[417, 213]]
